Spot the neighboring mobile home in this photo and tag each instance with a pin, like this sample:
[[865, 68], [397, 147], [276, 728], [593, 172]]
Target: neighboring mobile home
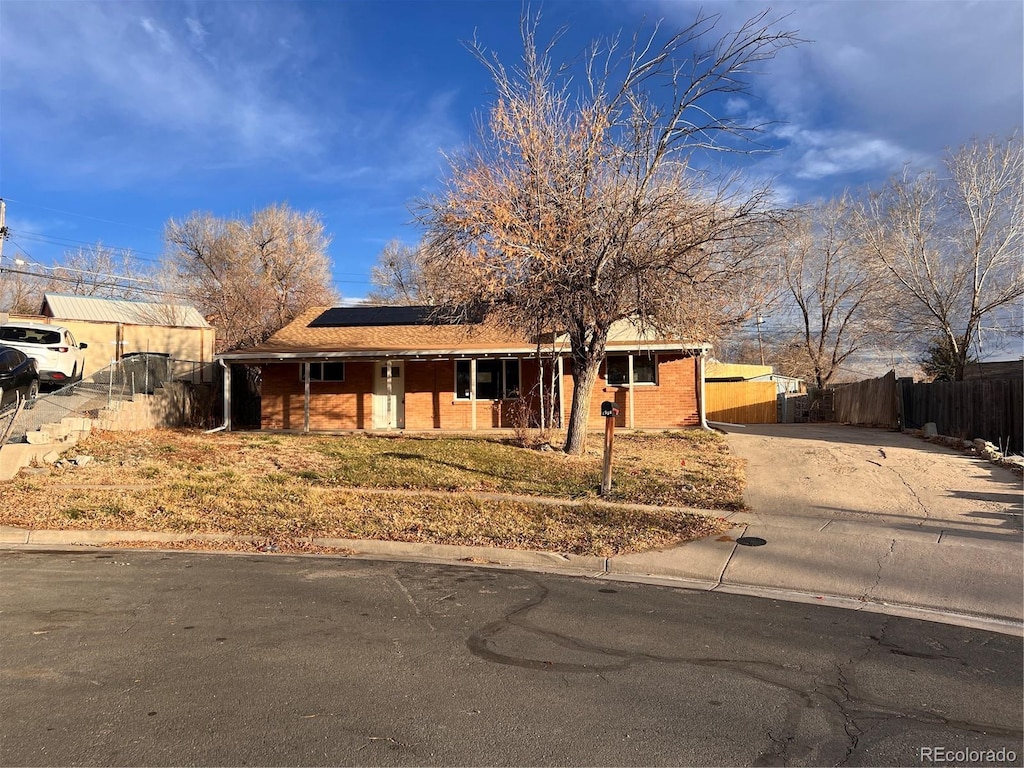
[[368, 367]]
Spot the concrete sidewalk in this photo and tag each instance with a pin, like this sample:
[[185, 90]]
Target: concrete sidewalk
[[957, 576], [960, 576]]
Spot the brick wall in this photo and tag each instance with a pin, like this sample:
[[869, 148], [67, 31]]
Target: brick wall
[[430, 398], [332, 404], [672, 402]]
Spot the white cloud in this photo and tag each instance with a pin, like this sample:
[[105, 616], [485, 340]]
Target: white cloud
[[735, 105], [820, 154], [163, 39], [126, 80], [882, 83], [407, 143], [197, 32]]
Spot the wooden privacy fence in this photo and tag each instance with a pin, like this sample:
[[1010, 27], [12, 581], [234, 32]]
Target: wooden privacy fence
[[741, 402], [992, 409], [871, 402]]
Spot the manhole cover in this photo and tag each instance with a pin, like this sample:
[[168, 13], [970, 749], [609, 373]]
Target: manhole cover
[[751, 541]]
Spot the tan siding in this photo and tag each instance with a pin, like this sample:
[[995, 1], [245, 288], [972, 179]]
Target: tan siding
[[195, 344]]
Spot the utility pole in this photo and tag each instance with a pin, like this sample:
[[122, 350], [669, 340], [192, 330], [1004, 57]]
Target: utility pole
[[3, 227], [3, 236], [760, 345]]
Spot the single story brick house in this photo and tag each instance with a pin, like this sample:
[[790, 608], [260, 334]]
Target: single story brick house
[[407, 368]]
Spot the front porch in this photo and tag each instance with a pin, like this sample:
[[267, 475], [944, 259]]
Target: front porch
[[466, 394]]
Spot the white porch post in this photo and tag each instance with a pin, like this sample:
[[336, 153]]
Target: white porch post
[[540, 378], [630, 391], [561, 393], [389, 411], [472, 394], [227, 395], [305, 398]]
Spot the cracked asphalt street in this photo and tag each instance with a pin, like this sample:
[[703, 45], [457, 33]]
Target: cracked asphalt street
[[154, 658]]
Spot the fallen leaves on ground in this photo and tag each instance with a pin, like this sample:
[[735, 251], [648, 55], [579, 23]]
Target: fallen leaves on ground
[[286, 488]]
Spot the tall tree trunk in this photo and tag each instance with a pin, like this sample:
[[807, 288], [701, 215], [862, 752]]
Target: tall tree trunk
[[584, 376], [959, 364], [588, 349]]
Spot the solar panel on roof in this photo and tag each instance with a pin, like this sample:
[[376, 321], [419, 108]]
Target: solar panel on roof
[[349, 317]]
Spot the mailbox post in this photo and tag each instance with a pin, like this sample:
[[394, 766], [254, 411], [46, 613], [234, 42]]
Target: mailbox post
[[609, 410]]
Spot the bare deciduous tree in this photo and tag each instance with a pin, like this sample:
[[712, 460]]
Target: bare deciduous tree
[[101, 272], [579, 209], [840, 298], [21, 293], [250, 277], [953, 245], [402, 275], [95, 270]]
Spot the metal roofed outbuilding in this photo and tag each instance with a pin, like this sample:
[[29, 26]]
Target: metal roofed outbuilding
[[102, 310]]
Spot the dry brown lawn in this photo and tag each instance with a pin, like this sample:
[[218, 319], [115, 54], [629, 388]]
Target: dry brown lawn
[[448, 490]]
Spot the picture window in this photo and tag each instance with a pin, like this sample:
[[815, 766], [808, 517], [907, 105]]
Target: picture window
[[495, 379], [325, 371], [645, 370]]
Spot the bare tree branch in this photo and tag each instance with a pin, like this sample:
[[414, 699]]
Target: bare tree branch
[[579, 207], [250, 277], [953, 245]]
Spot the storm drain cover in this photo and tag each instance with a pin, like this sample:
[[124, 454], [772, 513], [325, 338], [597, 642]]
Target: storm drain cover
[[751, 541]]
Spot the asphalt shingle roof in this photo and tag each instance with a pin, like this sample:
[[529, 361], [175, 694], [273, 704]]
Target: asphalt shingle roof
[[327, 331]]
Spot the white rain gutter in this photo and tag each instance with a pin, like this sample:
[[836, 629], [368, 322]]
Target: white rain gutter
[[703, 394]]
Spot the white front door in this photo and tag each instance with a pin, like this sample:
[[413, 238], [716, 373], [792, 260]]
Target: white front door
[[388, 396]]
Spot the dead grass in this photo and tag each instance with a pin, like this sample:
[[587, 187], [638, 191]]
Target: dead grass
[[283, 546], [289, 487]]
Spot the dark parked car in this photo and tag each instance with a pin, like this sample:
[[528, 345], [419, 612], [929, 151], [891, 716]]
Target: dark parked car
[[18, 377]]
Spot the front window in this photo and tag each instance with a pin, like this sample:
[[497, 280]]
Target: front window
[[495, 379], [616, 367], [645, 369], [325, 372]]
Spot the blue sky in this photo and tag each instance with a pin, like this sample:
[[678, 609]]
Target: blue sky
[[115, 116]]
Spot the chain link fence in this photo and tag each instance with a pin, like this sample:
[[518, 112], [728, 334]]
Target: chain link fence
[[135, 374]]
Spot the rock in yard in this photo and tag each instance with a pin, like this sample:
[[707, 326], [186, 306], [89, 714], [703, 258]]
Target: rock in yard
[[81, 461], [930, 430], [52, 457]]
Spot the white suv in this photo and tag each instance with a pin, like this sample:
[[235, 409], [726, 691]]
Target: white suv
[[59, 358]]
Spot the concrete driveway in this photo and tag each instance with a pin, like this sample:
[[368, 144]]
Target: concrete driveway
[[873, 475]]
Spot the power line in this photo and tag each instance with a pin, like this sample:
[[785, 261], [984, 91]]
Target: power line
[[82, 215], [67, 241], [126, 278], [113, 281], [58, 278]]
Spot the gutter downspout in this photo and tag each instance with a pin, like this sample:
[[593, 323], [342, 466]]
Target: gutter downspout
[[227, 397], [703, 393]]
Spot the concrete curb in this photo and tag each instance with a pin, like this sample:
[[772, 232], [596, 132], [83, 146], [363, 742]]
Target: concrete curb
[[714, 564]]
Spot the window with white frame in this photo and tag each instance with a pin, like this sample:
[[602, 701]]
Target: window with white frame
[[616, 370], [324, 371], [495, 379]]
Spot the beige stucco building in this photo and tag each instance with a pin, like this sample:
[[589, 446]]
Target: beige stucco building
[[114, 328]]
